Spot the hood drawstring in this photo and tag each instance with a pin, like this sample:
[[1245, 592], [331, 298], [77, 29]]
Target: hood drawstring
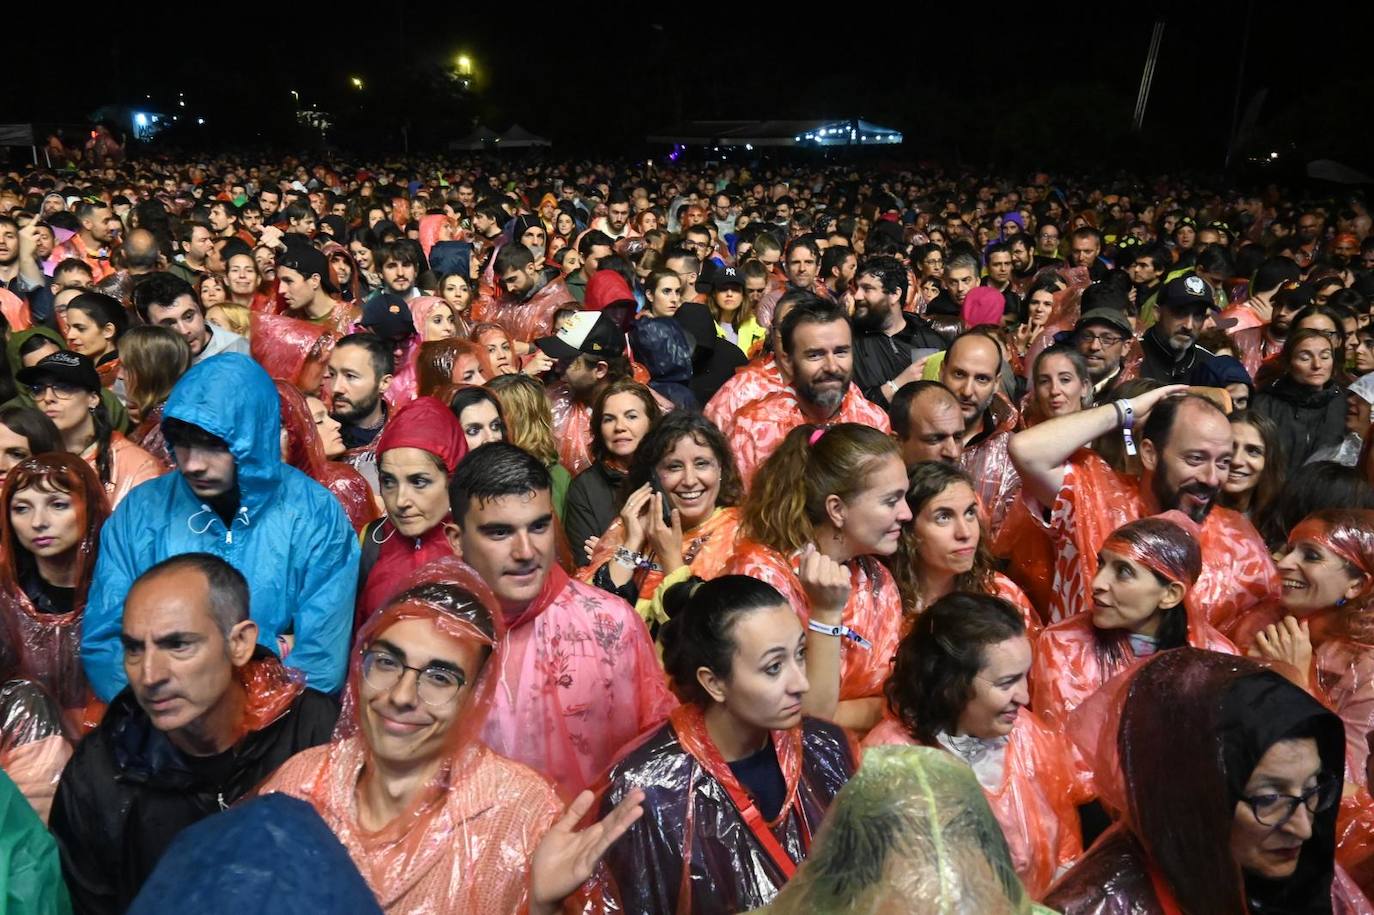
[[240, 517]]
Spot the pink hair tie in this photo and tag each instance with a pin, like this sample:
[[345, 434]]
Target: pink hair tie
[[816, 435]]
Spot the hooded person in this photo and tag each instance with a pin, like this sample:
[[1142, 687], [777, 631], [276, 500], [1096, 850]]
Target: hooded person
[[22, 343], [1143, 603], [304, 450], [607, 288], [284, 531], [418, 450], [270, 855], [291, 350], [662, 347], [1359, 403], [1229, 777], [462, 837], [910, 834], [982, 305]]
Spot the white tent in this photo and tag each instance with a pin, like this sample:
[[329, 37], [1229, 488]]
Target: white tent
[[520, 138]]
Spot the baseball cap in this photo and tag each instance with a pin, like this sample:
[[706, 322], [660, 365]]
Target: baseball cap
[[723, 277], [64, 367], [306, 261], [1186, 291], [387, 315], [592, 333], [1108, 316]]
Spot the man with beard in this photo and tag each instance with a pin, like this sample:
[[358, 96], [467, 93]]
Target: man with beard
[[971, 371], [616, 223], [887, 341], [1101, 336], [91, 244], [529, 299], [196, 242], [360, 371], [817, 345], [1184, 444], [927, 423], [20, 272], [400, 263], [802, 262], [1022, 262], [1170, 349]]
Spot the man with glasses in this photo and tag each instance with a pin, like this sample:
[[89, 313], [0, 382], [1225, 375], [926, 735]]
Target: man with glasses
[[208, 713], [1102, 335], [231, 495], [1047, 246]]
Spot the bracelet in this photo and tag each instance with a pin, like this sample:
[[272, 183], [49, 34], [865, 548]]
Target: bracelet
[[1126, 417], [630, 560], [841, 632]]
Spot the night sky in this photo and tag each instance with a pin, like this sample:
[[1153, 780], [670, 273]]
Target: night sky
[[990, 83]]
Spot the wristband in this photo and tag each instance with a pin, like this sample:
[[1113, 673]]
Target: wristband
[[1127, 417], [839, 632], [631, 560]]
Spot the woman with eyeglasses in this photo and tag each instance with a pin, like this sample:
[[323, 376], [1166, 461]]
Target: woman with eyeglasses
[[66, 387], [434, 820], [1306, 402], [1229, 780]]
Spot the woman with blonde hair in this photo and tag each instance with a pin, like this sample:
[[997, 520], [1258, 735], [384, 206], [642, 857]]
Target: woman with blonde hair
[[529, 426], [154, 358]]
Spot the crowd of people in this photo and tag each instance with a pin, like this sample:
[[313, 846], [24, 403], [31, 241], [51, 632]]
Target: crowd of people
[[704, 538]]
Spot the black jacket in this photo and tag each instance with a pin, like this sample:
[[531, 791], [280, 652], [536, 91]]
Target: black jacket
[[1161, 364], [127, 792], [1307, 418], [879, 358], [591, 506]]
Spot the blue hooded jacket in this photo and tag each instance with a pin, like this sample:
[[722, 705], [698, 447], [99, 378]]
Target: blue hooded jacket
[[290, 538]]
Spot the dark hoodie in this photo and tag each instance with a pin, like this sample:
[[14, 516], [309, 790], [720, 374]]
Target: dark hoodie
[[661, 346]]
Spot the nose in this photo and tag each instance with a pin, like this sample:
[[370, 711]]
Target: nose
[[1288, 562], [799, 684], [950, 450], [404, 692], [153, 672], [40, 519], [1212, 475], [1022, 694], [195, 460], [1299, 825], [521, 546], [963, 529], [903, 512]]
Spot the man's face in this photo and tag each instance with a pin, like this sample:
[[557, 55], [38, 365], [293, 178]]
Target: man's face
[[1143, 271], [353, 385], [199, 247], [592, 262], [305, 225], [509, 541], [398, 276], [1047, 241], [937, 430], [801, 267], [872, 305], [960, 282], [1188, 472], [535, 239], [617, 214], [1102, 347], [821, 363], [970, 373], [184, 317], [9, 244], [999, 267], [722, 207], [98, 224], [251, 220], [296, 289], [1180, 326], [270, 201], [518, 281], [180, 666], [1085, 251], [466, 195], [209, 470], [1020, 256], [219, 220], [1308, 226]]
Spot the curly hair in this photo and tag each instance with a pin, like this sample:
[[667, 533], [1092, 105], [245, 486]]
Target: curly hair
[[664, 435], [929, 479]]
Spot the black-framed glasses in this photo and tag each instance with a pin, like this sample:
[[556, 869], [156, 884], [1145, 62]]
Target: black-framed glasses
[[1274, 810], [436, 686], [1104, 339]]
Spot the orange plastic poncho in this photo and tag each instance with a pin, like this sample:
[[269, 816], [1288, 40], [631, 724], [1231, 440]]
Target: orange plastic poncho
[[996, 481], [1036, 803], [305, 452], [706, 549], [529, 319], [129, 466], [761, 425], [755, 381], [466, 841], [1029, 552], [579, 679], [1237, 572], [283, 346], [874, 610]]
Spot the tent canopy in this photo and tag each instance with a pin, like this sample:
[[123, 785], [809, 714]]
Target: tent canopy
[[830, 132], [519, 137]]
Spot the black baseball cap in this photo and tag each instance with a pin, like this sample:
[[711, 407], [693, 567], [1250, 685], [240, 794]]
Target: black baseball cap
[[387, 315], [64, 367], [723, 277], [307, 261], [1108, 316], [1186, 291], [591, 333]]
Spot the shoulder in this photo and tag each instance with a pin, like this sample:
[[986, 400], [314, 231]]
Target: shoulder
[[520, 787], [298, 775], [316, 709], [827, 739], [644, 762]]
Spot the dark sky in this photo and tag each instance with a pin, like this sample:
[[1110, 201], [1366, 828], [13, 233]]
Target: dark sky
[[980, 81]]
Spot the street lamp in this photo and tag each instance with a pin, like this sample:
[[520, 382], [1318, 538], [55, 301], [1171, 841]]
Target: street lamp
[[356, 81], [464, 65]]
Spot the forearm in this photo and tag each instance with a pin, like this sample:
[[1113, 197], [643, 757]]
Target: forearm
[[1041, 452], [823, 666]]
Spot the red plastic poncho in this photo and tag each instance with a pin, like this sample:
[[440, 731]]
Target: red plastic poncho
[[45, 647], [466, 841], [284, 346], [1029, 552], [761, 426], [1095, 500], [404, 382], [529, 319], [1036, 802], [305, 452], [424, 423], [579, 679], [996, 480], [874, 610], [755, 381]]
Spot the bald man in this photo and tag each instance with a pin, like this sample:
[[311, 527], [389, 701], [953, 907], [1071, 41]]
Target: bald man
[[141, 255], [927, 423]]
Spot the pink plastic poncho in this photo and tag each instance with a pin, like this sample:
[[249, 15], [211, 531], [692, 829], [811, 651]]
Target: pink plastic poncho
[[305, 452], [466, 841], [579, 679], [995, 479], [755, 381], [761, 426]]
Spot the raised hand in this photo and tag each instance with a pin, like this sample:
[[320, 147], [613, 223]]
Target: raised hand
[[826, 583], [566, 857]]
